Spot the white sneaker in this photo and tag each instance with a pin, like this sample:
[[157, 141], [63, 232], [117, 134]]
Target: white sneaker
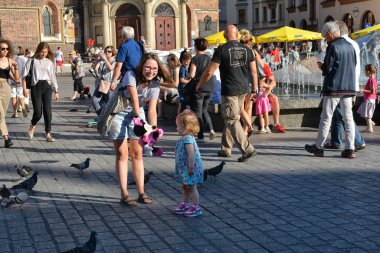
[[373, 123], [268, 130], [212, 135], [262, 131]]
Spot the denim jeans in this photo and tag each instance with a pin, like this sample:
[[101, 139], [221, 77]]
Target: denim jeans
[[337, 128], [199, 106]]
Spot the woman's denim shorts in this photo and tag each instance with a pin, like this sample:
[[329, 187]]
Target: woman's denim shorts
[[122, 126]]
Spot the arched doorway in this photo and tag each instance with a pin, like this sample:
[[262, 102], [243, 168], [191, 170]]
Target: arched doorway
[[292, 24], [127, 15], [165, 27], [368, 19], [303, 24], [349, 21]]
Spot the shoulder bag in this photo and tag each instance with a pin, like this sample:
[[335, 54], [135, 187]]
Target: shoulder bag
[[104, 85], [117, 103], [29, 76]]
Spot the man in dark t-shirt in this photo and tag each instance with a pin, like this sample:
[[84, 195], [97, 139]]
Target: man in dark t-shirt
[[236, 62]]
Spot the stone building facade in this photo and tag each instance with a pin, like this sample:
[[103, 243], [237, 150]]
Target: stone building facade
[[261, 16], [163, 24], [312, 14]]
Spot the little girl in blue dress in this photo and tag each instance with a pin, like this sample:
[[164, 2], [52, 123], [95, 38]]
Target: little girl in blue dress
[[189, 165]]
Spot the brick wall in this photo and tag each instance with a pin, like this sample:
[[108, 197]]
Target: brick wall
[[22, 31], [211, 6], [21, 22]]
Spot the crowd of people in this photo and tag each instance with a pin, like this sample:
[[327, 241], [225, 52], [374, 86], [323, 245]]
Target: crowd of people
[[146, 81]]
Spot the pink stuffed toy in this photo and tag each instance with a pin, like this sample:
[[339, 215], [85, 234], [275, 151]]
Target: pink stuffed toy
[[148, 136]]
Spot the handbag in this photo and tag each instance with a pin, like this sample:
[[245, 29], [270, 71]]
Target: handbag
[[117, 103], [29, 76], [104, 86]]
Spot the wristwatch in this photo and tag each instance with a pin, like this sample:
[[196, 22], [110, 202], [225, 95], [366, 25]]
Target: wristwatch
[[255, 91]]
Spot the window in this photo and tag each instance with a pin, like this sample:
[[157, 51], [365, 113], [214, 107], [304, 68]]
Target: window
[[292, 3], [349, 21], [303, 24], [292, 24], [273, 14], [265, 15], [46, 17], [280, 12], [257, 17], [164, 9], [312, 10], [303, 2], [368, 19], [242, 16]]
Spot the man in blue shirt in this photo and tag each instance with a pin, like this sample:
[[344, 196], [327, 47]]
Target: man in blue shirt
[[128, 56]]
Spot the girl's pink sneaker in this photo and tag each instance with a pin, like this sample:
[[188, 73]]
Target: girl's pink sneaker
[[193, 211], [182, 208]]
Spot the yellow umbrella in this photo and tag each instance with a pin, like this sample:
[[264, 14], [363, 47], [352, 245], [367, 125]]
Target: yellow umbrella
[[218, 38], [288, 34], [366, 31]]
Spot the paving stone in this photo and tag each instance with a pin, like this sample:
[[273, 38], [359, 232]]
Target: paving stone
[[297, 204]]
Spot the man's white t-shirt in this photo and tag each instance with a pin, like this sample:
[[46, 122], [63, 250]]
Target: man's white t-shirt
[[58, 55]]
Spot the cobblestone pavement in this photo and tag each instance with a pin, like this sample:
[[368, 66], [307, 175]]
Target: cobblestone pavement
[[283, 200]]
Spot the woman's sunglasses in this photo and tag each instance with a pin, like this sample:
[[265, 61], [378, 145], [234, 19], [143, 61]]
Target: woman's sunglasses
[[4, 49]]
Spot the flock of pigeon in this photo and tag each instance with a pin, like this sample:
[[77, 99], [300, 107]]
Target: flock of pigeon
[[28, 179]]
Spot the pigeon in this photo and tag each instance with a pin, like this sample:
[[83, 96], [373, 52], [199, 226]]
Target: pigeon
[[146, 178], [88, 247], [21, 198], [28, 183], [81, 166], [213, 171], [5, 193], [75, 109], [23, 171]]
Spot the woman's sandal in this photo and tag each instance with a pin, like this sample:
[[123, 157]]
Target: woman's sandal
[[144, 199], [31, 133], [15, 115], [128, 201]]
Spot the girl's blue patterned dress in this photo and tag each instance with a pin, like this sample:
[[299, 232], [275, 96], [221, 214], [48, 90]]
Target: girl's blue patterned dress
[[181, 162]]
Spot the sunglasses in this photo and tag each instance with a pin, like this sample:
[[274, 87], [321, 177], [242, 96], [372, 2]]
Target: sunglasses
[[4, 49], [108, 51]]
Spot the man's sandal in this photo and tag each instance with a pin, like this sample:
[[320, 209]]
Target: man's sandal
[[144, 199], [128, 201]]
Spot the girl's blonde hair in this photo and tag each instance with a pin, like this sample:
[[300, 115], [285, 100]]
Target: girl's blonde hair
[[371, 68], [189, 120], [173, 58]]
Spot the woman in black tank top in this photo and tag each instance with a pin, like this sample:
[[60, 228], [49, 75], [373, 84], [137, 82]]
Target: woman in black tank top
[[8, 69]]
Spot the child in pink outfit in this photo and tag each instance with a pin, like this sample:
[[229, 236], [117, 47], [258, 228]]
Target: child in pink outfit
[[367, 107], [263, 108]]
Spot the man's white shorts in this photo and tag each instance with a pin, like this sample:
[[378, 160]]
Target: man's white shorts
[[17, 91]]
